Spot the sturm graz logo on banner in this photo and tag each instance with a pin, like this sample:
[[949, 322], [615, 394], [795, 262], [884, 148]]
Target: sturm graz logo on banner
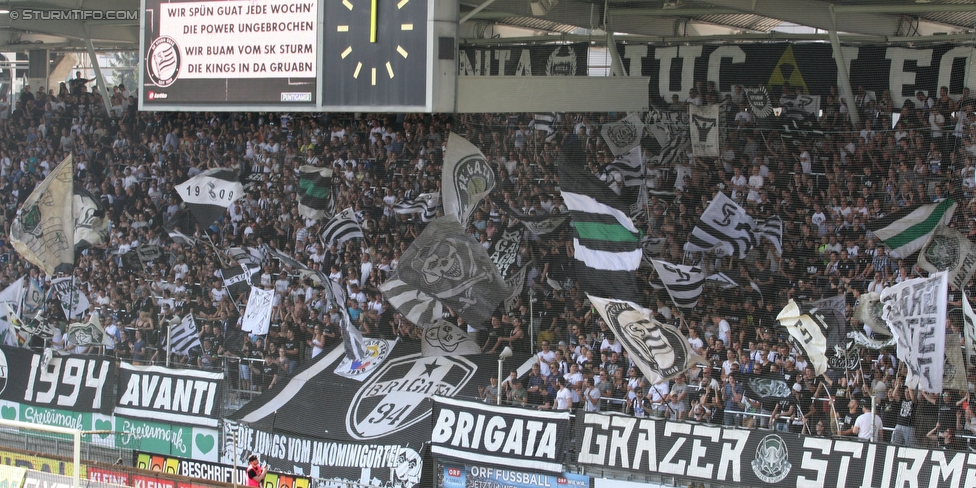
[[398, 396], [163, 61], [760, 103], [772, 461], [562, 62], [943, 252]]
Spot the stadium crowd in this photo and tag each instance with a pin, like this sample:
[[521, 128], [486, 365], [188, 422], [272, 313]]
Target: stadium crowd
[[825, 184]]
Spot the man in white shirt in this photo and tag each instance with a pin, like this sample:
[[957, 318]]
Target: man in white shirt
[[544, 357], [868, 426], [564, 398], [591, 396]]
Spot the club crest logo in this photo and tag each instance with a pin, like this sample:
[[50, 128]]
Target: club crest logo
[[772, 461], [760, 103], [398, 396], [163, 61], [562, 62], [623, 133], [943, 252]]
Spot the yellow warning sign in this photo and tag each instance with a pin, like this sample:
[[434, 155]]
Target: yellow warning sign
[[787, 72]]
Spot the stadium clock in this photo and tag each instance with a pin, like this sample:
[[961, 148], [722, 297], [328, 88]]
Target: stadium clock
[[377, 53]]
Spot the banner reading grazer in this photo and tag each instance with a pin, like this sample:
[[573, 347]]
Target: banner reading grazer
[[916, 312], [182, 396], [488, 434], [759, 457], [78, 383]]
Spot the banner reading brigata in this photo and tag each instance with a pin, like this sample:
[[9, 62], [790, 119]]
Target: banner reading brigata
[[78, 383], [760, 457], [236, 51], [488, 434]]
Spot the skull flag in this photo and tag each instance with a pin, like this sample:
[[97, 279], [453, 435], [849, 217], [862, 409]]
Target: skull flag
[[445, 268]]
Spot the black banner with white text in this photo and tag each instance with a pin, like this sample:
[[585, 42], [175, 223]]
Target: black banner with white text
[[760, 457], [77, 383], [489, 434], [181, 396]]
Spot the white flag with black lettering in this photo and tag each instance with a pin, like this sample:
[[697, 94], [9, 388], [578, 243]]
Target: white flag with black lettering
[[915, 311], [257, 314], [704, 130], [183, 335], [623, 135], [684, 283]]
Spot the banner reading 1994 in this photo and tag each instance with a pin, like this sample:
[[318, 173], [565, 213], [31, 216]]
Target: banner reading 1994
[[245, 52]]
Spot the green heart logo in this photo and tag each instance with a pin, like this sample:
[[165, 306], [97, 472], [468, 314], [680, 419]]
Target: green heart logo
[[8, 413], [103, 425], [205, 443]]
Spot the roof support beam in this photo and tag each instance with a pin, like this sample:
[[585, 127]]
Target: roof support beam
[[814, 13]]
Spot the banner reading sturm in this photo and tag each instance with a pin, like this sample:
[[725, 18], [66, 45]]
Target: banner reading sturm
[[489, 434]]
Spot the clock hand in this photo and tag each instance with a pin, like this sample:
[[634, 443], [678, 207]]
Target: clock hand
[[372, 20]]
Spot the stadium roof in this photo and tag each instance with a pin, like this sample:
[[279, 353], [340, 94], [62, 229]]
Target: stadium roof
[[891, 21]]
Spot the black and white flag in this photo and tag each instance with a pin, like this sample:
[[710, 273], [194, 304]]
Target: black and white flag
[[183, 336], [623, 135], [949, 250], [915, 310], [181, 238], [670, 129], [504, 249], [137, 259], [659, 350], [341, 228], [759, 101], [807, 105], [444, 266], [257, 314], [208, 194], [443, 338], [704, 130], [683, 283], [91, 226], [870, 311], [89, 333], [652, 247], [808, 333], [539, 225], [725, 228], [630, 167], [545, 123], [772, 230], [466, 178], [284, 258], [425, 204], [238, 278], [969, 331]]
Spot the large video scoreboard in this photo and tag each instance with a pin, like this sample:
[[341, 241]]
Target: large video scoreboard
[[298, 55]]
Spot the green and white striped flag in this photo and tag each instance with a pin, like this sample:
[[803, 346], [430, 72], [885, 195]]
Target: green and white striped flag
[[906, 231], [315, 192], [606, 242]]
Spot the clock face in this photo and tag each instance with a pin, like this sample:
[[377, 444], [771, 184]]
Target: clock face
[[375, 53]]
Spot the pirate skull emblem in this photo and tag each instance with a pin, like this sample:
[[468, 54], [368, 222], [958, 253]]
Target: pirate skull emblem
[[444, 262]]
